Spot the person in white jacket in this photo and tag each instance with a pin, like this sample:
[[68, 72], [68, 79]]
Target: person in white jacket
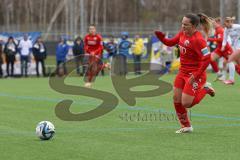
[[25, 47], [233, 31]]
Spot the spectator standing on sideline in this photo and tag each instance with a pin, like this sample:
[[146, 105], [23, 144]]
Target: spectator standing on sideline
[[123, 52], [1, 59], [61, 53], [78, 52], [137, 50], [25, 47], [111, 48], [10, 51], [40, 54]]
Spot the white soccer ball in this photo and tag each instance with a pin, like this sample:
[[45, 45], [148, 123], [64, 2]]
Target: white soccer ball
[[45, 130]]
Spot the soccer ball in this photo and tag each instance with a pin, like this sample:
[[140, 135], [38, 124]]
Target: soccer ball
[[45, 130]]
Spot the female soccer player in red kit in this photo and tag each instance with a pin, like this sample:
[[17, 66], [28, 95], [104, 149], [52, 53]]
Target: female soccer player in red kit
[[93, 46], [205, 29], [189, 84], [218, 53]]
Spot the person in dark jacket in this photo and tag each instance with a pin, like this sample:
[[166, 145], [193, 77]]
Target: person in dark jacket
[[1, 59], [111, 48], [123, 52], [40, 54], [78, 52], [10, 50], [61, 53]]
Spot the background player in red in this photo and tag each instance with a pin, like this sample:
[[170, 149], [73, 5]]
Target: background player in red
[[218, 53], [205, 29], [93, 46], [189, 87]]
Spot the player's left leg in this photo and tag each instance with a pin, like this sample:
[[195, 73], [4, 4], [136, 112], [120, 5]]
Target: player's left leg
[[214, 57], [91, 71], [194, 93], [192, 96], [231, 68], [214, 66]]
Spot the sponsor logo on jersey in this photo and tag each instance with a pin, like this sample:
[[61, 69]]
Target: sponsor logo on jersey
[[92, 42], [194, 87], [186, 43], [219, 36]]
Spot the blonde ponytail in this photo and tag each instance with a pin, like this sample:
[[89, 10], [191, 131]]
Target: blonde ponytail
[[206, 23]]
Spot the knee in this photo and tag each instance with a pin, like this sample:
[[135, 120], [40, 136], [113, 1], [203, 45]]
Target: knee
[[186, 104], [214, 57]]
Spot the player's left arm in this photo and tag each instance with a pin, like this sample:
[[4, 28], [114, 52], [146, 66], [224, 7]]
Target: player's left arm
[[100, 48], [202, 50], [219, 38]]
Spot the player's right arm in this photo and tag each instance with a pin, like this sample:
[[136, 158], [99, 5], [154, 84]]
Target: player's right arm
[[218, 38], [100, 48], [168, 41], [201, 48]]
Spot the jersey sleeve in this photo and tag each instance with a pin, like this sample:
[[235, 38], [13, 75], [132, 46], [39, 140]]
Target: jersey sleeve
[[168, 41], [99, 49], [217, 38], [201, 47]]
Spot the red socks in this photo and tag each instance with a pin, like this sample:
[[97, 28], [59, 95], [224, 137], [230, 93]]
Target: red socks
[[182, 115], [182, 111], [214, 66]]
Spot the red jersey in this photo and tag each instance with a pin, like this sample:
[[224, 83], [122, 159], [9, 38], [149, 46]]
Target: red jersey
[[93, 44], [193, 49], [218, 37]]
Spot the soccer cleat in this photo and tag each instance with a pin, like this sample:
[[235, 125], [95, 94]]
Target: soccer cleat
[[219, 77], [209, 89], [185, 130], [88, 85], [237, 68], [107, 65], [223, 78], [228, 82]]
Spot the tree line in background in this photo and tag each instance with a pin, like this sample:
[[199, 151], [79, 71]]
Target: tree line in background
[[73, 16]]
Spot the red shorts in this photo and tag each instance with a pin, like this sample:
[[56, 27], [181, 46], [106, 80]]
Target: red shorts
[[228, 51], [181, 82]]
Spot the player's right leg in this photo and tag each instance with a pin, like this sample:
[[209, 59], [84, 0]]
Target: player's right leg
[[231, 67], [214, 57], [181, 111]]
